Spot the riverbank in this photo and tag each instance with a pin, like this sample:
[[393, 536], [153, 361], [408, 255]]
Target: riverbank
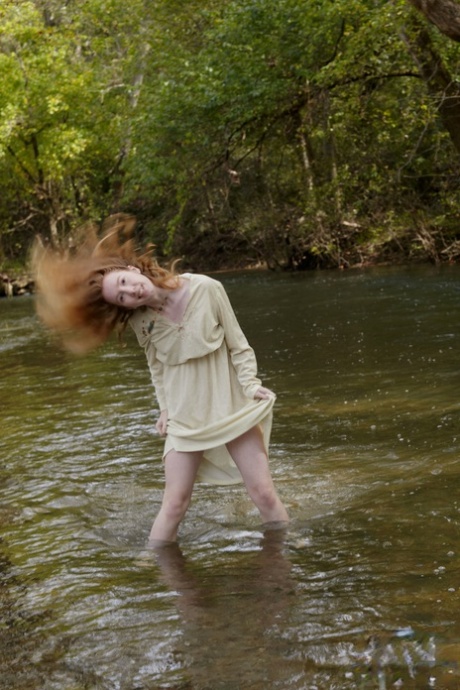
[[19, 282], [15, 285]]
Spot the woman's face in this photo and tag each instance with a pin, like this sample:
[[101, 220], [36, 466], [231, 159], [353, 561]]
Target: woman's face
[[128, 288]]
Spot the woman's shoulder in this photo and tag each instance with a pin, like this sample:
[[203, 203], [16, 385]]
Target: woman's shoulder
[[198, 279]]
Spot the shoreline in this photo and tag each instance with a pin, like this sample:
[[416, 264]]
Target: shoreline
[[17, 284]]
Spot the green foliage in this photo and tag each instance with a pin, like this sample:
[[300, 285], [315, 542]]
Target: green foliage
[[287, 119], [64, 96], [295, 132]]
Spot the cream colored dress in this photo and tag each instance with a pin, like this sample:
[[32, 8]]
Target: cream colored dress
[[205, 374]]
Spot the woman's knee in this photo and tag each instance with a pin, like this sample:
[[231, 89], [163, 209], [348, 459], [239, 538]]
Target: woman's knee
[[264, 495], [175, 506]]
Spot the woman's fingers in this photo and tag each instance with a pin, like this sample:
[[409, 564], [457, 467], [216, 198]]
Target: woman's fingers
[[264, 394]]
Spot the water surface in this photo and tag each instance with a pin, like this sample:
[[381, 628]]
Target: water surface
[[362, 592]]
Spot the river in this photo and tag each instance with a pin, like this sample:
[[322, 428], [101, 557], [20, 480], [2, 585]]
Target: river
[[362, 591]]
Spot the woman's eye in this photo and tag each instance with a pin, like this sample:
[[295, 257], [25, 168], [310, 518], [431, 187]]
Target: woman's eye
[[121, 299]]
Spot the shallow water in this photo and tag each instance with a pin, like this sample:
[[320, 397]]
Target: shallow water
[[363, 590]]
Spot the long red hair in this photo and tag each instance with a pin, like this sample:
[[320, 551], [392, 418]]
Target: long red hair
[[69, 283]]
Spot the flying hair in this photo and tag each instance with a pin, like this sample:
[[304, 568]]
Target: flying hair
[[68, 281]]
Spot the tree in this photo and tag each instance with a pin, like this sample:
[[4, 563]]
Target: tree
[[293, 127], [68, 80], [298, 133]]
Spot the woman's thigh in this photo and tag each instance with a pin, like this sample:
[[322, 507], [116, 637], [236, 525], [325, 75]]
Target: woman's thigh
[[249, 454], [180, 471]]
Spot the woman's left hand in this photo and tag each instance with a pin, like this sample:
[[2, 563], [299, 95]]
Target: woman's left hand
[[264, 394], [162, 423]]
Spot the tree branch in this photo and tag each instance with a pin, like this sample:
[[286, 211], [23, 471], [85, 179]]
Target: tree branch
[[444, 14], [24, 169]]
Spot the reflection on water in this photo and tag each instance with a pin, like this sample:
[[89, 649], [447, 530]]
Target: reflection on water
[[241, 607], [362, 590]]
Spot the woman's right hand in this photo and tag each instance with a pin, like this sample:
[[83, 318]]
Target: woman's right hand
[[162, 423]]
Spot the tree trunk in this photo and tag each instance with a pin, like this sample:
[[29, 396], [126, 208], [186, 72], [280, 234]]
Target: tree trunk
[[116, 175], [444, 14], [303, 124]]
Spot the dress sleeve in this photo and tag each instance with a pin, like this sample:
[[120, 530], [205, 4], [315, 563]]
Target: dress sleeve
[[140, 326], [241, 353], [156, 373]]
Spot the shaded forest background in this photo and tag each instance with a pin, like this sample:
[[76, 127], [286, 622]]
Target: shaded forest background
[[293, 134]]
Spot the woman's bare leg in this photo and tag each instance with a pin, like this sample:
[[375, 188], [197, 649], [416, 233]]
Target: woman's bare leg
[[180, 474], [249, 455]]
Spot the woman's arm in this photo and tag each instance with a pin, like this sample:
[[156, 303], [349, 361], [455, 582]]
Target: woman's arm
[[241, 353]]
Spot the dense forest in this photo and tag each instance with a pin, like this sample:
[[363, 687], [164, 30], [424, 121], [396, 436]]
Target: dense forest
[[292, 134]]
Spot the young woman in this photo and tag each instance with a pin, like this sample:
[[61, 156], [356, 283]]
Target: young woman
[[214, 413]]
